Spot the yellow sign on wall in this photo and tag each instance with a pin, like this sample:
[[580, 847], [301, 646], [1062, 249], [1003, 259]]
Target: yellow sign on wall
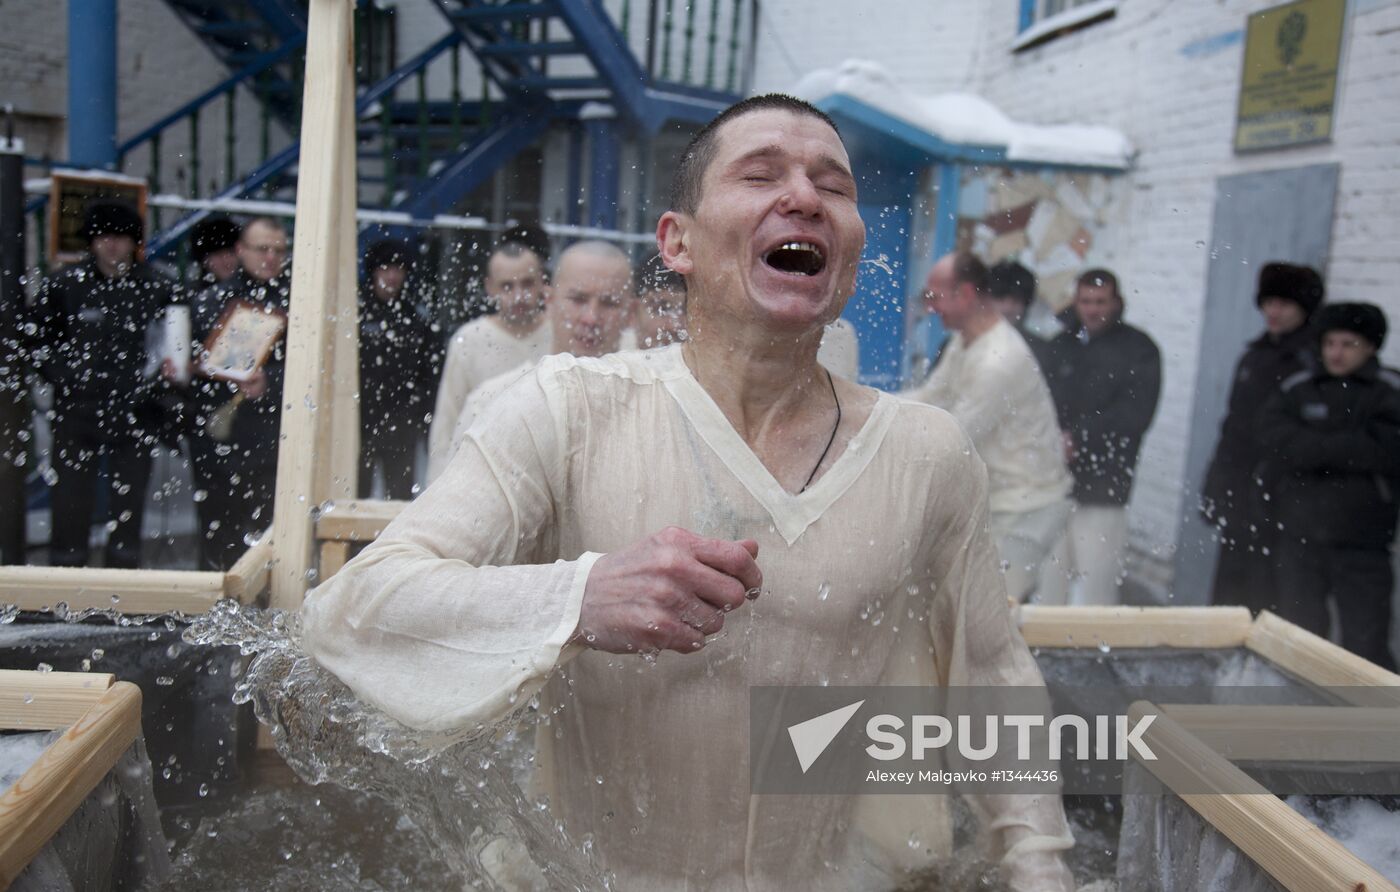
[[1289, 85]]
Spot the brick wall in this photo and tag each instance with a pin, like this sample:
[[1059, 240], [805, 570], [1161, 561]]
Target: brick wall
[[1167, 74], [930, 44]]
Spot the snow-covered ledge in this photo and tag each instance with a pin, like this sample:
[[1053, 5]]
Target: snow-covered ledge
[[968, 120], [1069, 18]]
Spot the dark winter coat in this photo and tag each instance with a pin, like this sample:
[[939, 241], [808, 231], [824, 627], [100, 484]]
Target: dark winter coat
[[400, 363], [1231, 493], [89, 340], [1333, 449], [256, 425], [1105, 390]]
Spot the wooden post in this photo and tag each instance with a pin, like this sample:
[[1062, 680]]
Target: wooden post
[[325, 264]]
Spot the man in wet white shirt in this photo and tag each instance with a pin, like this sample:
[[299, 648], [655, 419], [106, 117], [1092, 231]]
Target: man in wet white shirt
[[590, 304], [988, 378], [490, 345], [626, 504]]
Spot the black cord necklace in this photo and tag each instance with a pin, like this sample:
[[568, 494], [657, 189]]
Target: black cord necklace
[[835, 427]]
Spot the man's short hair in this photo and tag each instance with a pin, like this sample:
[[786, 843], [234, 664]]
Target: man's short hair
[[1098, 278], [593, 247], [968, 269], [654, 275], [700, 151], [1011, 279], [270, 222]]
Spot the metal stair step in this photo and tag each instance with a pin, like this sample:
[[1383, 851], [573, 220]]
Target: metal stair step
[[526, 49], [539, 82], [506, 12], [224, 29]]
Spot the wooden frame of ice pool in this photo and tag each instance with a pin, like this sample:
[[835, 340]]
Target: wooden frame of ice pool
[[102, 718]]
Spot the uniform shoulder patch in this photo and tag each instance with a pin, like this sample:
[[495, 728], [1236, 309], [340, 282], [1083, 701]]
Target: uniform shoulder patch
[[1294, 380]]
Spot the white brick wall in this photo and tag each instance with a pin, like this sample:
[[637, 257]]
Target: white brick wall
[[1178, 108], [931, 44], [1140, 72]]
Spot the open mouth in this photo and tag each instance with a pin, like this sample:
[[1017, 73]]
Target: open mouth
[[796, 259]]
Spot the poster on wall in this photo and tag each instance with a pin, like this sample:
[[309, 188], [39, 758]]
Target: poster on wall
[[1288, 88], [70, 194], [1055, 223]]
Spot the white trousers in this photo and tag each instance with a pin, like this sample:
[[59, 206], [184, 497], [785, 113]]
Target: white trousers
[[1086, 568], [1024, 540]]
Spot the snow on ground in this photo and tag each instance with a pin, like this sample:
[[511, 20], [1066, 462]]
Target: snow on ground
[[966, 119], [18, 752], [1368, 829]]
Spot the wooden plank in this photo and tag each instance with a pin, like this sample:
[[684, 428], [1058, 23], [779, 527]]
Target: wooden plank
[[316, 277], [128, 591], [333, 557], [246, 580], [48, 793], [360, 521], [1134, 626], [1290, 849], [339, 454], [1294, 733], [1315, 659], [47, 701]]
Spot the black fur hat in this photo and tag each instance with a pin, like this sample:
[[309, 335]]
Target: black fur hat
[[1300, 284], [1366, 320], [212, 235], [388, 252], [113, 218]]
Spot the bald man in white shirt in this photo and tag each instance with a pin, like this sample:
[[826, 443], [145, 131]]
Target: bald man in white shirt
[[988, 378]]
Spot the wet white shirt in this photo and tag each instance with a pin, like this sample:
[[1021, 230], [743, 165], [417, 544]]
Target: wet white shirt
[[881, 572], [840, 350], [996, 391], [478, 351]]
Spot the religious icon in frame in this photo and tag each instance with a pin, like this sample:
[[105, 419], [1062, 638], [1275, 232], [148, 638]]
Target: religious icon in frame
[[241, 341]]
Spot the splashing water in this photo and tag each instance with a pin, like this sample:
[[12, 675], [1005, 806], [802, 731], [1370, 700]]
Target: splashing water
[[465, 795], [880, 262]]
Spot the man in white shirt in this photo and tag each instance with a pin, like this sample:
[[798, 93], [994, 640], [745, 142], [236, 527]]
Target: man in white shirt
[[989, 380], [490, 345], [591, 302], [645, 501]]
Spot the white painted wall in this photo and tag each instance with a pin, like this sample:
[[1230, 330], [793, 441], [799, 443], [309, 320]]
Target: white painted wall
[[1167, 74]]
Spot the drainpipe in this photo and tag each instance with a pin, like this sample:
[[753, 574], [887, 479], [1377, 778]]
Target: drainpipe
[[92, 83]]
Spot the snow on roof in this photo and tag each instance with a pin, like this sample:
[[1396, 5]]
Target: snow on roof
[[965, 119]]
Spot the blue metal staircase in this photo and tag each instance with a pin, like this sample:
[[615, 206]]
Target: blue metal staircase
[[544, 60]]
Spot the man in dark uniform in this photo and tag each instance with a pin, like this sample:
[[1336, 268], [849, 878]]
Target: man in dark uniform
[[1333, 437], [90, 336], [234, 436], [1105, 376], [400, 362], [1231, 497]]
